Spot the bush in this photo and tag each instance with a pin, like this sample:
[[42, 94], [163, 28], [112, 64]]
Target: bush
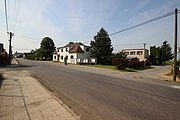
[[120, 63], [4, 60], [49, 59], [135, 64], [148, 63]]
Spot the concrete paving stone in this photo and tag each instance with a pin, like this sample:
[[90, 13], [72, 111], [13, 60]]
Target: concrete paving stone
[[29, 101], [6, 108], [52, 102], [26, 117], [61, 111], [50, 116], [46, 110], [6, 113], [36, 115], [56, 106], [32, 109], [9, 117], [20, 116]]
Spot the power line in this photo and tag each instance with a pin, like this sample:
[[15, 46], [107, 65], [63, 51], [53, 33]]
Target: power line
[[143, 23], [138, 25], [17, 15], [14, 11], [5, 4]]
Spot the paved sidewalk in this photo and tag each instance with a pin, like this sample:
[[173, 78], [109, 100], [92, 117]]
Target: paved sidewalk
[[22, 97]]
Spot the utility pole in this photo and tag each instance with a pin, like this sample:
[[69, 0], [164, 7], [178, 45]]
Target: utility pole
[[175, 46], [144, 55], [10, 47]]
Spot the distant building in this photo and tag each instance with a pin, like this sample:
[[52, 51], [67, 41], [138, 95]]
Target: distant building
[[141, 54], [25, 55], [74, 53], [17, 55]]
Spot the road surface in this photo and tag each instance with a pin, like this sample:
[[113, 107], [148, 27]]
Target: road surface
[[94, 96]]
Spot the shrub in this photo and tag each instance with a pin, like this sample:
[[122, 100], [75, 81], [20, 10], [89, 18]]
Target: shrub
[[49, 59], [133, 64], [4, 60], [120, 63], [148, 63]]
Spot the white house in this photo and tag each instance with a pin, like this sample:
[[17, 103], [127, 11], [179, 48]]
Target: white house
[[141, 54], [74, 53]]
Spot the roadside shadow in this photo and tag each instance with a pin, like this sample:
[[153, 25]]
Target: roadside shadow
[[16, 66], [1, 80]]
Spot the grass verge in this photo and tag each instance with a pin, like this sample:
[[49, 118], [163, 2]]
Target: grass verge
[[111, 67]]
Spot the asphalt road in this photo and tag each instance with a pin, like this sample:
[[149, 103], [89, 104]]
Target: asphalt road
[[95, 96]]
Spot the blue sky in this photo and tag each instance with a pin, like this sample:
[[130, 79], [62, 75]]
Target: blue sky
[[80, 20]]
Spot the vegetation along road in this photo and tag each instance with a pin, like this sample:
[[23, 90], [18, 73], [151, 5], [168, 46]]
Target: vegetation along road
[[95, 96]]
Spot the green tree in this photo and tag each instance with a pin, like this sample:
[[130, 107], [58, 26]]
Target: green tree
[[158, 55], [118, 55], [101, 47], [166, 52], [47, 48], [152, 56]]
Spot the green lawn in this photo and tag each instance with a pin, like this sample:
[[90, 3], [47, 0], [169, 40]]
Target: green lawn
[[111, 67], [104, 66]]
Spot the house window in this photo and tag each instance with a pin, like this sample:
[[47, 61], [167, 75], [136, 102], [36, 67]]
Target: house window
[[62, 50], [87, 49], [126, 53], [132, 53], [72, 57], [61, 57], [54, 57], [66, 49], [66, 57], [139, 52]]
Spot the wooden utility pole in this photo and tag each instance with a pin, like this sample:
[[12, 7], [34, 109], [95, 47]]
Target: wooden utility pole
[[10, 47], [145, 55], [175, 46]]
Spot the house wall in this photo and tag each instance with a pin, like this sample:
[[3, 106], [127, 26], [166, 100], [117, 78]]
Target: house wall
[[55, 57], [143, 54], [65, 52], [74, 60]]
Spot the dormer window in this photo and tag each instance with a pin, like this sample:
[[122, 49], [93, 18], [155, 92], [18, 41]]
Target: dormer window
[[87, 49]]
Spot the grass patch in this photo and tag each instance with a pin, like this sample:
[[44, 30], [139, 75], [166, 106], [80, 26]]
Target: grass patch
[[147, 67], [129, 70], [111, 67], [168, 62]]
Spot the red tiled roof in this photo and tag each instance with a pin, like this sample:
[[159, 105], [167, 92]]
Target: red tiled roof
[[75, 48]]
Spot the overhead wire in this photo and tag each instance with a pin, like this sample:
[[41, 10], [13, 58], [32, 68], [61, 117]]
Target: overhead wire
[[14, 12], [138, 25], [17, 15], [143, 23], [6, 14]]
